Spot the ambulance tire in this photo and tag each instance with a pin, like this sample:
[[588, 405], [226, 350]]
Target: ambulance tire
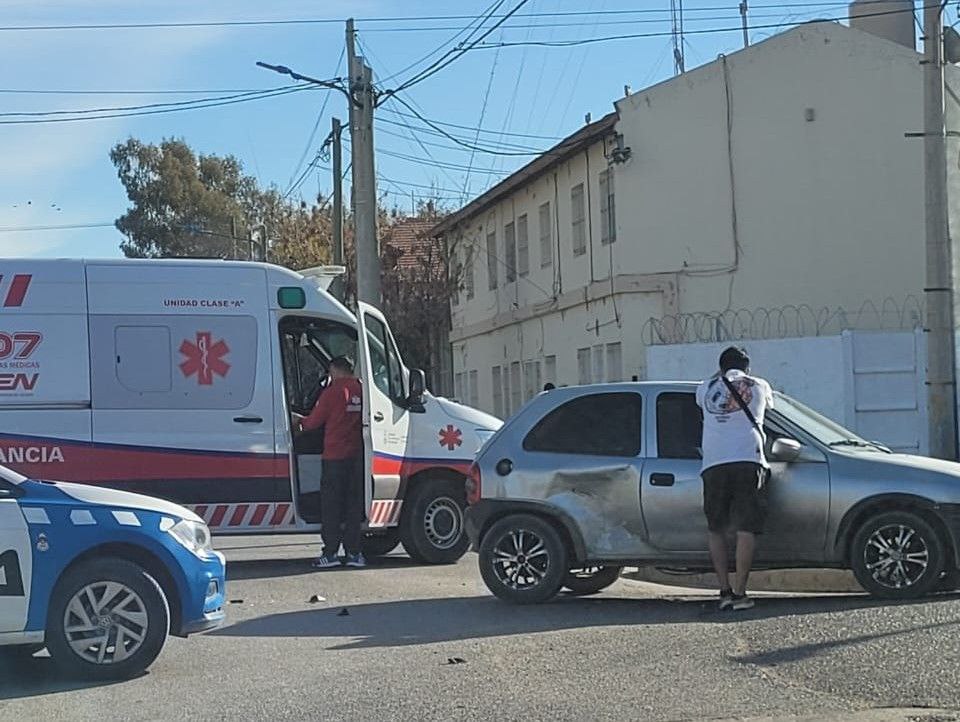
[[431, 523], [147, 603], [379, 545]]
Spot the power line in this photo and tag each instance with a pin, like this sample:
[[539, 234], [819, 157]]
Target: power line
[[157, 111], [430, 132], [162, 91], [459, 53], [60, 227], [441, 164], [384, 19], [636, 36], [472, 128]]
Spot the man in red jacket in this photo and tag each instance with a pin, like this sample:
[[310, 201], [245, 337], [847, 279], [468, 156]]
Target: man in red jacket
[[339, 411]]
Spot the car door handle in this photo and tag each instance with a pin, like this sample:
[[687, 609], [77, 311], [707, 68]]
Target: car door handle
[[248, 419], [378, 416], [662, 479]]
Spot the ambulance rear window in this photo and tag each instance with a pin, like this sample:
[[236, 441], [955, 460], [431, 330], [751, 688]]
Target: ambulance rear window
[[291, 297]]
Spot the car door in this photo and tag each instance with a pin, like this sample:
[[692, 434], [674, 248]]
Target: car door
[[15, 562], [385, 385]]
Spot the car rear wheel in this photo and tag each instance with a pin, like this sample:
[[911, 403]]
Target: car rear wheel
[[431, 525], [108, 619], [590, 580], [523, 559], [897, 555]]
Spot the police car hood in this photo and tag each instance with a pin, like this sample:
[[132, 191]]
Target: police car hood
[[102, 496]]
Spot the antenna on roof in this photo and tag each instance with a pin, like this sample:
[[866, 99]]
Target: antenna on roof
[[587, 118], [676, 14]]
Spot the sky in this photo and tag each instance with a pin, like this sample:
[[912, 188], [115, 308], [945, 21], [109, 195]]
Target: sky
[[60, 173]]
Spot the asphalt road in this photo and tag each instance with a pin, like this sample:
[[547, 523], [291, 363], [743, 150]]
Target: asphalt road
[[430, 643]]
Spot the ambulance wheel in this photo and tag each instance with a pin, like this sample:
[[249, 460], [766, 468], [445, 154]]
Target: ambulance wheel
[[379, 545], [431, 523], [108, 619]]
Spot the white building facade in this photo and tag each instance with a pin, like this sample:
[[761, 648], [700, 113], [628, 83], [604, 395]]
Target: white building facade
[[774, 192]]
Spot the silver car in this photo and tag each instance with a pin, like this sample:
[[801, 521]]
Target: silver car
[[586, 480]]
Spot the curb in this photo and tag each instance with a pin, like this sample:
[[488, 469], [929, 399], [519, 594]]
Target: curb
[[779, 580]]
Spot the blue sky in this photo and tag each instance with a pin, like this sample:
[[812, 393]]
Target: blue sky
[[61, 173]]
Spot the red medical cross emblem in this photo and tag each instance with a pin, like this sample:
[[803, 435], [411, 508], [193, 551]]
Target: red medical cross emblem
[[204, 358], [451, 437]]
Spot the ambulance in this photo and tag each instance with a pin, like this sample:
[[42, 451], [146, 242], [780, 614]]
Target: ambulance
[[178, 378]]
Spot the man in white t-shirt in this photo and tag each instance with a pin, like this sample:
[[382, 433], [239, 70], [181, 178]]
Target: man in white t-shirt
[[734, 467]]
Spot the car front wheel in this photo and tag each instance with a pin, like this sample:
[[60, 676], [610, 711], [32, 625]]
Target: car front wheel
[[108, 619], [897, 555], [523, 559]]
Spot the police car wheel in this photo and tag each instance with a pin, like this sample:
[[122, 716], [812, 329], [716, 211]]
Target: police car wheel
[[431, 524], [108, 619]]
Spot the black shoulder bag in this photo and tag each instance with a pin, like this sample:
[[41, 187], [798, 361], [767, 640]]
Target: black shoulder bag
[[749, 413]]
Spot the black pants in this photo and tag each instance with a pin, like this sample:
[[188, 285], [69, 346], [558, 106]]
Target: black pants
[[341, 505], [735, 495]]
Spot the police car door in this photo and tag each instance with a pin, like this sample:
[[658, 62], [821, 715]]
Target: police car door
[[15, 561], [384, 388]]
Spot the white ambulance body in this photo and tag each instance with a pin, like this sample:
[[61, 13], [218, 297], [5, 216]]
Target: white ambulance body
[[177, 379]]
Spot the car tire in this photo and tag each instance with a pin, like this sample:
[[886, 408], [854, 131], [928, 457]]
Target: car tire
[[897, 555], [104, 602], [508, 570], [379, 545], [590, 580], [431, 524], [950, 581]]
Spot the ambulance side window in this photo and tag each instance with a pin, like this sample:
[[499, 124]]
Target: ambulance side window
[[173, 362]]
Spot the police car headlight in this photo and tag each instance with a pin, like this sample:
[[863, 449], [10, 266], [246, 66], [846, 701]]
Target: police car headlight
[[194, 535]]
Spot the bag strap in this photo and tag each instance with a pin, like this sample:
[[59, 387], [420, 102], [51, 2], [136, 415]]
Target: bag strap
[[743, 405]]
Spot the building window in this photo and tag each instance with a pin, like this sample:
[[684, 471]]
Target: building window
[[510, 251], [598, 374], [550, 370], [523, 246], [474, 389], [468, 272], [492, 260], [506, 391], [458, 385], [578, 219], [614, 362], [583, 365], [516, 387], [497, 392], [531, 379], [546, 236], [608, 220]]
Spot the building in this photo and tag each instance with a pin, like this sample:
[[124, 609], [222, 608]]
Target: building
[[773, 192]]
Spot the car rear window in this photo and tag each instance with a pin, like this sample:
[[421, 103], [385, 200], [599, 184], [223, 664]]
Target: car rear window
[[596, 425]]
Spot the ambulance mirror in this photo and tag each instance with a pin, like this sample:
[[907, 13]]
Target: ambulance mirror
[[418, 385]]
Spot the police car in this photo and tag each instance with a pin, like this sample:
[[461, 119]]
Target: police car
[[100, 577]]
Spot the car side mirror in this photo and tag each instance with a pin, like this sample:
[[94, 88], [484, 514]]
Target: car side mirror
[[787, 450], [418, 386]]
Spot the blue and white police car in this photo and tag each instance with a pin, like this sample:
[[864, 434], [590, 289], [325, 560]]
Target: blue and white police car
[[100, 577]]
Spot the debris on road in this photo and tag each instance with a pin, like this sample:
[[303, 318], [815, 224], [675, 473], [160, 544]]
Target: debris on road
[[343, 612], [456, 660], [316, 598]]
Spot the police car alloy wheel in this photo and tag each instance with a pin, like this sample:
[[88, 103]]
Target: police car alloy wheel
[[108, 619]]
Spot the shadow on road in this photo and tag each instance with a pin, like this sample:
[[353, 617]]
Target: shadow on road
[[426, 621], [243, 569], [34, 676]]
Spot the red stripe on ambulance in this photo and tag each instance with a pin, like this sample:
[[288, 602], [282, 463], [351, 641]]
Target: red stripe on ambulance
[[258, 514], [238, 514], [18, 290]]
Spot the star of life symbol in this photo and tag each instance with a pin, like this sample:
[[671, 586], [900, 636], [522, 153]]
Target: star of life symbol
[[204, 358], [451, 437]]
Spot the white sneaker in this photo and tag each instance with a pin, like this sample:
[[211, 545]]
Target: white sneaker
[[325, 562], [741, 602]]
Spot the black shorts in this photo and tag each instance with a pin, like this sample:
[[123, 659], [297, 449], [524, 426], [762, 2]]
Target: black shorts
[[735, 495]]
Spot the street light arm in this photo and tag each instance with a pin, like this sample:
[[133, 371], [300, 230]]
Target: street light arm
[[334, 84]]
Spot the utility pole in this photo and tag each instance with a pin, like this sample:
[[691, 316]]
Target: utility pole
[[364, 175], [233, 235], [939, 291], [337, 284], [743, 21]]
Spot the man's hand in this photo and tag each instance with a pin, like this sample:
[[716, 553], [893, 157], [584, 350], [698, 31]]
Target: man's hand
[[296, 421]]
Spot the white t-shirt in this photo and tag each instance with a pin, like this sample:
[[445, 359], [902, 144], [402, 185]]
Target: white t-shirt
[[728, 435]]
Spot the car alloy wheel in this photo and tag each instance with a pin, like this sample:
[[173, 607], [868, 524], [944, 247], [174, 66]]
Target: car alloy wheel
[[105, 622], [521, 559], [896, 556]]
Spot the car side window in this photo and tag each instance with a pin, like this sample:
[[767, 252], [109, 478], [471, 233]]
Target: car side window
[[679, 426], [595, 425]]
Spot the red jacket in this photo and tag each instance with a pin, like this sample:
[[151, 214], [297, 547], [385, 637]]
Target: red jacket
[[339, 409]]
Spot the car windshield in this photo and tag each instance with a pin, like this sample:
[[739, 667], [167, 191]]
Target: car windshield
[[824, 430]]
